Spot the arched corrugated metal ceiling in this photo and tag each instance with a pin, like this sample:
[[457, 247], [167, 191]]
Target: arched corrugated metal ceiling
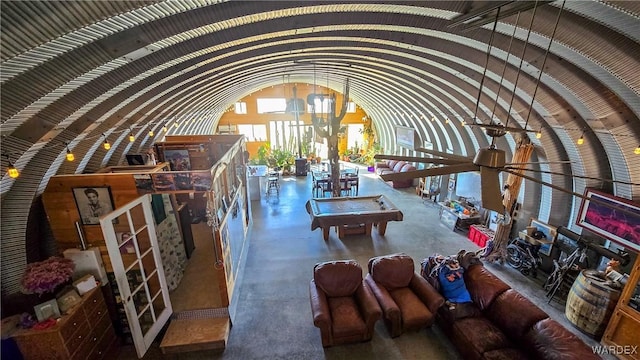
[[80, 72]]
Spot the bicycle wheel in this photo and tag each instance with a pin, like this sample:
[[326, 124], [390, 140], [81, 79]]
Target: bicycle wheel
[[514, 257]]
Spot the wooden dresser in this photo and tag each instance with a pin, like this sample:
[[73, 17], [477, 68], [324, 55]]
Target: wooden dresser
[[86, 332]]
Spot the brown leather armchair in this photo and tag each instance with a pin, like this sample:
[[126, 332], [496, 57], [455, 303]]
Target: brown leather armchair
[[407, 300], [342, 305]]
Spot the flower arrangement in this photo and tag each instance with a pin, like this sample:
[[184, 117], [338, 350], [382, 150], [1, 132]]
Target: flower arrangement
[[44, 276]]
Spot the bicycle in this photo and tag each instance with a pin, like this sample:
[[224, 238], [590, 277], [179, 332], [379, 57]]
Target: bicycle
[[562, 267]]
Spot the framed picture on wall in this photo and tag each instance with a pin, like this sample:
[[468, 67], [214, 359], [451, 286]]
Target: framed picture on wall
[[611, 217], [178, 159], [93, 202]]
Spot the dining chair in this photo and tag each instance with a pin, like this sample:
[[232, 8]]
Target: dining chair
[[354, 182]]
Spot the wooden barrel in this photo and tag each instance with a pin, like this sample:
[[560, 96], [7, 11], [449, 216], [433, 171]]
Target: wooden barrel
[[590, 303]]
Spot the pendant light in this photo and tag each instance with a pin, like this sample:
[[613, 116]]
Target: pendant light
[[11, 170], [70, 156]]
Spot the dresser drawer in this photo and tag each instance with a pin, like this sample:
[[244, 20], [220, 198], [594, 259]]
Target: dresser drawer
[[77, 338], [94, 304], [104, 345], [83, 352], [76, 320], [102, 325]]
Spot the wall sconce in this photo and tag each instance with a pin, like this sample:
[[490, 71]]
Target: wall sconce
[[11, 170]]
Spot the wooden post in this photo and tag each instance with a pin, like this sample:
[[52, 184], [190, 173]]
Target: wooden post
[[501, 238]]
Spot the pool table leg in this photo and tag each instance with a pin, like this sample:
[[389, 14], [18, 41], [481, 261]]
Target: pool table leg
[[367, 229], [382, 227], [325, 232]]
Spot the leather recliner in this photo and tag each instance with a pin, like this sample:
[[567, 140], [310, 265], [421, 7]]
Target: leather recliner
[[342, 305], [407, 300]]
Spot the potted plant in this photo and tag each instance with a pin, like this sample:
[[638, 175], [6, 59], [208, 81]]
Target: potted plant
[[368, 159], [344, 154], [47, 276]]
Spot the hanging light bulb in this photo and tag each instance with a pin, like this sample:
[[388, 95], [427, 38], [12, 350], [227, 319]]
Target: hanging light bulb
[[150, 133], [581, 140], [462, 123], [11, 170], [70, 156], [538, 134], [164, 128], [106, 145], [131, 137], [446, 121], [637, 150], [433, 119]]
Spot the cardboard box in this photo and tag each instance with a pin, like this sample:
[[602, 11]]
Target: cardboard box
[[85, 284]]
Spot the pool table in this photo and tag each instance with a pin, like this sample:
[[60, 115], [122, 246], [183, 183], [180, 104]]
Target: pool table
[[349, 213]]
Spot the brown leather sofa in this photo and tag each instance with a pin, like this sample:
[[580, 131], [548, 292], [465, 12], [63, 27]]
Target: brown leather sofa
[[407, 300], [502, 324], [391, 166], [342, 305]]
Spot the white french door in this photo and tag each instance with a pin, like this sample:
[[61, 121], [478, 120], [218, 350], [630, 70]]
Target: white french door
[[130, 235]]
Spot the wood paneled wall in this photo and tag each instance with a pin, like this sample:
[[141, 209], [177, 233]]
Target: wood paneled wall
[[286, 91], [62, 211]]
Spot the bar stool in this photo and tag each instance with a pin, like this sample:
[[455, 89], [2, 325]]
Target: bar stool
[[273, 185]]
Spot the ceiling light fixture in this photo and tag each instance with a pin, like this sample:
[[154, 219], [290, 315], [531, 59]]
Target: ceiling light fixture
[[581, 139], [131, 137], [106, 145], [637, 150], [538, 134], [150, 133]]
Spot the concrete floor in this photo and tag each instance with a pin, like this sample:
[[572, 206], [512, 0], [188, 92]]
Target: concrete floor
[[273, 317]]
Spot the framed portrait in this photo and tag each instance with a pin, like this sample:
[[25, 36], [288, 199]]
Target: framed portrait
[[47, 310], [611, 217], [92, 203], [550, 233], [67, 299]]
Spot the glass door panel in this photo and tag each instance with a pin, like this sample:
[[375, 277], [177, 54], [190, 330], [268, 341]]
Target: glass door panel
[[135, 256]]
